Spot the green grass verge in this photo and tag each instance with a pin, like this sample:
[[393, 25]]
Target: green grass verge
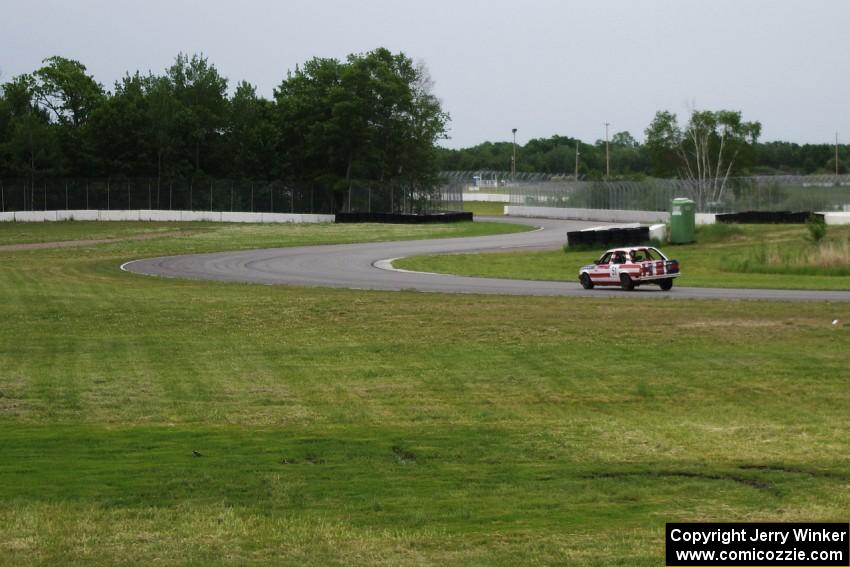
[[337, 427], [484, 208], [30, 232], [723, 257], [215, 235]]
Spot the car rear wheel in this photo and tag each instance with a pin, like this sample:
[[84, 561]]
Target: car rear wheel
[[585, 281], [666, 285], [626, 282]]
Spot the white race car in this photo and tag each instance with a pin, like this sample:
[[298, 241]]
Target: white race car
[[630, 267]]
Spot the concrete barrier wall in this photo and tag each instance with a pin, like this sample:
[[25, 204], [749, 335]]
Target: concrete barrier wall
[[200, 216], [35, 216], [161, 216], [658, 232], [297, 218], [241, 217], [589, 214], [608, 226], [157, 215], [118, 215], [836, 218], [487, 197], [169, 216], [76, 215], [602, 215]]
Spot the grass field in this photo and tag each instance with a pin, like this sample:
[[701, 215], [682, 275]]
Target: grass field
[[484, 208], [224, 236], [147, 420], [723, 257], [27, 233]]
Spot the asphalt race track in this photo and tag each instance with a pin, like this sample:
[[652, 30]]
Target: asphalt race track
[[367, 266]]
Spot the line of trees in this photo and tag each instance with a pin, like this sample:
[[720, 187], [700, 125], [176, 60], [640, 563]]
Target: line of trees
[[371, 118], [711, 145]]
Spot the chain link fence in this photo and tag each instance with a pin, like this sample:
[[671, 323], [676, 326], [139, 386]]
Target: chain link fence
[[224, 195], [758, 193], [764, 193], [500, 178]]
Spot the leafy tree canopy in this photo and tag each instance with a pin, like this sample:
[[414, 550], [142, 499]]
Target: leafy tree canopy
[[370, 118]]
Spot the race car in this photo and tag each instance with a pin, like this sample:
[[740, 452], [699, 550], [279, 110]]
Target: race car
[[630, 267]]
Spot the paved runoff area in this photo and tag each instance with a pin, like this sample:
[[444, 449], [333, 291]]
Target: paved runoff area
[[369, 266]]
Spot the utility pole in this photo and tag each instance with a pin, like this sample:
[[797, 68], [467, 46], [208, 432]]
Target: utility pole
[[836, 153], [577, 154], [607, 154], [513, 158]]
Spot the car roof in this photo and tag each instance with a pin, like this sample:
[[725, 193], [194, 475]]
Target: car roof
[[630, 248]]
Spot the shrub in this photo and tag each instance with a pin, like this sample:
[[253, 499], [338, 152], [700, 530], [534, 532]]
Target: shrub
[[817, 227], [825, 259]]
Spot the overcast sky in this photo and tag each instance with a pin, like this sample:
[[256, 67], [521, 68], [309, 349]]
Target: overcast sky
[[544, 67]]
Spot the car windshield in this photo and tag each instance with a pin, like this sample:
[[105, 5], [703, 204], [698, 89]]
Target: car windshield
[[604, 259]]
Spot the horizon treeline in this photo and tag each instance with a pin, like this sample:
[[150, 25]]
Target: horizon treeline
[[371, 118], [630, 159]]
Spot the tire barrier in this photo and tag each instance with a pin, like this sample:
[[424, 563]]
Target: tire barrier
[[401, 218], [608, 237], [767, 217]]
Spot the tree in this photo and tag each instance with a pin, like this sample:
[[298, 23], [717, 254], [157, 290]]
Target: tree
[[663, 137], [372, 118], [309, 140], [251, 137], [550, 155], [63, 88], [628, 156], [406, 119], [162, 126], [29, 142], [712, 146], [117, 130], [624, 139], [202, 92]]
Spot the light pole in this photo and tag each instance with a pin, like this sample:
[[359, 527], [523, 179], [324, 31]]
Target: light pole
[[513, 158], [577, 154], [607, 154], [836, 153]]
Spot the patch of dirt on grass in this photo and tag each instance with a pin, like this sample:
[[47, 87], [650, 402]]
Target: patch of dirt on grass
[[790, 469], [744, 480], [737, 323], [76, 243], [18, 544], [10, 407]]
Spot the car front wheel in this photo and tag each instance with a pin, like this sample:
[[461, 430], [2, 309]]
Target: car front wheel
[[585, 281], [666, 285], [626, 282]]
